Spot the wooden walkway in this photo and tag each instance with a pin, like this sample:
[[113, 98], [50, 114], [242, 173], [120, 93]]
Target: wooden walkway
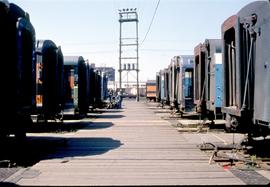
[[132, 146]]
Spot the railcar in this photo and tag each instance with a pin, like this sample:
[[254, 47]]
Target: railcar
[[49, 80], [151, 89], [164, 87], [172, 84], [213, 78], [75, 85], [100, 88], [158, 86], [17, 41], [104, 86], [92, 87], [97, 90], [208, 78], [199, 79], [184, 100], [246, 46]]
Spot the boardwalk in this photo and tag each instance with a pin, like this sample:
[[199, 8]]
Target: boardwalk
[[128, 147]]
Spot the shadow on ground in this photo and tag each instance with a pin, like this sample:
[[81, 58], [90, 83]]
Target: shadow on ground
[[56, 127], [110, 110], [8, 184], [110, 116], [79, 147], [70, 124], [34, 149], [98, 125]]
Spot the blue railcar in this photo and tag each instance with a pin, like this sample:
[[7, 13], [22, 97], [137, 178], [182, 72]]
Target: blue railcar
[[184, 82], [208, 79], [213, 78]]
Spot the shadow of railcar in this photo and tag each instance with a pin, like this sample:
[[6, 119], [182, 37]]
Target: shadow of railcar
[[35, 149], [110, 110], [110, 116], [56, 127], [28, 152], [80, 147], [71, 123], [8, 184], [38, 146]]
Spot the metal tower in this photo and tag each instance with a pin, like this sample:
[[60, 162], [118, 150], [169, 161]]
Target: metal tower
[[129, 45]]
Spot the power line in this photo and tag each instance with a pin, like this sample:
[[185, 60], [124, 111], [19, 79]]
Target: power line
[[151, 22]]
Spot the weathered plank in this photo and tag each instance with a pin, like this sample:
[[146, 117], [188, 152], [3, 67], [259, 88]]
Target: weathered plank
[[131, 147]]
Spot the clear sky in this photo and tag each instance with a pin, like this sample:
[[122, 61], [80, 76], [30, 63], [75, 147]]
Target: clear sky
[[90, 28]]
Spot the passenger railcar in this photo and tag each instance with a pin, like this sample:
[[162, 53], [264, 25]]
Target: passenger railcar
[[92, 86], [97, 90], [199, 79], [158, 87], [246, 46], [17, 41], [49, 80], [151, 88], [172, 84], [75, 84], [100, 88], [104, 86], [214, 78], [164, 87], [184, 65], [208, 78]]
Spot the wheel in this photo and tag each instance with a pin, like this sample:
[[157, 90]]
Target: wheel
[[59, 117]]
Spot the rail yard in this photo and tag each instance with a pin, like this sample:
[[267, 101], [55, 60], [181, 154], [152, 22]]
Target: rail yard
[[139, 144], [204, 120]]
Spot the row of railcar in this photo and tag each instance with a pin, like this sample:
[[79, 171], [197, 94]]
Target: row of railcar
[[228, 76], [175, 84], [37, 80]]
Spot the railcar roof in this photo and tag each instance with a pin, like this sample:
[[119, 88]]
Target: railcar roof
[[72, 60]]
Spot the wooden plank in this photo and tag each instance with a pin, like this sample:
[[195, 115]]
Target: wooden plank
[[132, 147]]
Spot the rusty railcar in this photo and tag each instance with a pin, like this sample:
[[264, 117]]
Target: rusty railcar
[[246, 46]]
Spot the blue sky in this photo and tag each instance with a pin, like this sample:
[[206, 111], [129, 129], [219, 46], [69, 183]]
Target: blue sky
[[90, 28]]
